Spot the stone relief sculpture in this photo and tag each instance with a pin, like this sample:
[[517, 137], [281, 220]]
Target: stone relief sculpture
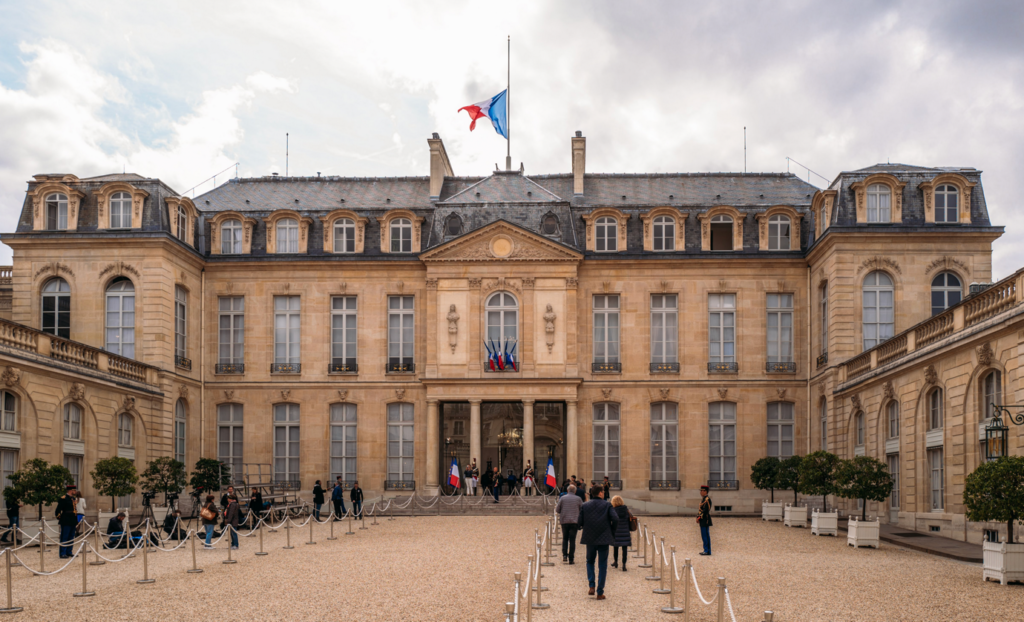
[[549, 327], [11, 376], [453, 328]]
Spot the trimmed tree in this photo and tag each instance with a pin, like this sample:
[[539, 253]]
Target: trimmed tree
[[40, 483], [764, 475], [995, 492], [818, 475], [209, 475], [864, 478], [789, 475], [165, 475], [114, 477]]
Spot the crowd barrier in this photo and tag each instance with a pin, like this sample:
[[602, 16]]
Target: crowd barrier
[[523, 593]]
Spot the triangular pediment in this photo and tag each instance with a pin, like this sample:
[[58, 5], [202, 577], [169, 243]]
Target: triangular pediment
[[501, 241]]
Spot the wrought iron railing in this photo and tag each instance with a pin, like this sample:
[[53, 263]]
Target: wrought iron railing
[[287, 483], [663, 484], [497, 368], [780, 367], [723, 368], [400, 367], [182, 362], [403, 484], [229, 368], [664, 368], [723, 484], [286, 368], [342, 367], [606, 368], [822, 360]]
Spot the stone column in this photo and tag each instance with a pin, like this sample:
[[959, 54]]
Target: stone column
[[528, 432], [432, 447], [571, 448], [474, 434]]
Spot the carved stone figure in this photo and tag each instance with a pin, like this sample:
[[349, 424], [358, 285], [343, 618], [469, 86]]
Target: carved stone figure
[[77, 391], [453, 328], [722, 393], [400, 394], [664, 393], [11, 376], [781, 393], [129, 402], [888, 391], [183, 390], [606, 393], [855, 400], [930, 375], [286, 393], [343, 394], [549, 327], [985, 354], [229, 395]]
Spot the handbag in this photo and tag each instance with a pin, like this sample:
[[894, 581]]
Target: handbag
[[207, 514], [634, 524]]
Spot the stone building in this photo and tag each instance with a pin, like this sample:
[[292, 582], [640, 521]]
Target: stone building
[[667, 330]]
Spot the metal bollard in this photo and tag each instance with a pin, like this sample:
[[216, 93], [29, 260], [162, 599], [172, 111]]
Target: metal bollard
[[374, 515], [311, 520], [288, 532], [42, 547], [10, 608], [547, 555], [261, 551], [362, 519], [721, 599], [769, 616], [391, 512], [510, 609], [687, 573], [654, 546], [350, 532], [229, 560], [672, 587], [99, 547], [85, 571], [194, 535], [145, 557], [538, 588], [645, 564], [661, 570], [529, 592], [518, 577], [332, 537]]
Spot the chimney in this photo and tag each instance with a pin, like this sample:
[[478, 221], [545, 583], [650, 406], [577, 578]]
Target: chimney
[[440, 167], [579, 163]]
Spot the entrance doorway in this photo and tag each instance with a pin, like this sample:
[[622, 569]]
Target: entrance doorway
[[501, 431]]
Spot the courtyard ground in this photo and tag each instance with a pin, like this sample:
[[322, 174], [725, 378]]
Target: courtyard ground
[[460, 568]]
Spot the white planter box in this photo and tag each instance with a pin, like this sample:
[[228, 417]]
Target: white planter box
[[31, 529], [862, 533], [771, 511], [824, 523], [795, 516], [159, 514], [1003, 561]]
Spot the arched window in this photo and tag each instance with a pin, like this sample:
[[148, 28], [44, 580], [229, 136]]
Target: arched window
[[946, 292], [664, 233], [343, 442], [179, 431], [231, 237], [72, 422], [879, 203], [287, 235], [947, 201], [992, 392], [858, 425], [344, 235], [9, 402], [778, 233], [124, 430], [286, 442], [665, 442], [502, 320], [722, 437], [56, 211], [120, 318], [453, 226], [121, 211], [780, 429], [935, 405], [549, 226], [721, 233], [823, 414], [892, 409], [401, 235], [606, 234], [56, 306], [878, 309], [182, 223]]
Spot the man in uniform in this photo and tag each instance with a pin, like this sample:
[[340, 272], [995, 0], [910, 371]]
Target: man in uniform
[[704, 520]]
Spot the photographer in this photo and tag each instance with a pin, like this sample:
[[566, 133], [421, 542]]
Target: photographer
[[115, 531], [172, 525]]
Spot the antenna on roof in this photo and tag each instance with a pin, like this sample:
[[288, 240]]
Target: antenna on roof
[[744, 148], [286, 154]]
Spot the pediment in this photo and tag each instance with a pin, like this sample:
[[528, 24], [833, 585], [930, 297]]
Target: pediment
[[501, 241]]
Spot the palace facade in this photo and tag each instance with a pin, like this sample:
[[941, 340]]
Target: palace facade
[[665, 330]]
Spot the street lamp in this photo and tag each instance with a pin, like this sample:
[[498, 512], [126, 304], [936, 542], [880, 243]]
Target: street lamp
[[996, 430]]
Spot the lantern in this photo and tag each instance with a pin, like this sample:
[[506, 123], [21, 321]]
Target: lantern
[[995, 438]]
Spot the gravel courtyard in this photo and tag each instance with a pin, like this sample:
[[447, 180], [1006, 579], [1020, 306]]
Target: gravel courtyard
[[460, 568]]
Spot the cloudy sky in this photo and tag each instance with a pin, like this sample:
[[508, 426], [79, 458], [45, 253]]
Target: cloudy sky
[[184, 90]]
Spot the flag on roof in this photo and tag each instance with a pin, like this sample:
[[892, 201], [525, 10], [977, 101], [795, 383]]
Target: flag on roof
[[495, 109]]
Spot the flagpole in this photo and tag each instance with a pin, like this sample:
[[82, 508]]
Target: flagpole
[[508, 106]]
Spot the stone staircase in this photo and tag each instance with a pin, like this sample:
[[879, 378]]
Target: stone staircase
[[406, 505]]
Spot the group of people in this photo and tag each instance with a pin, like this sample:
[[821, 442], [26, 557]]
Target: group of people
[[338, 499], [493, 481]]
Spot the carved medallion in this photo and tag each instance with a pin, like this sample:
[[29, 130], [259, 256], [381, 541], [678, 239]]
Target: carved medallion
[[11, 376], [77, 391], [888, 391], [400, 394], [343, 394], [985, 354], [228, 394], [930, 375], [722, 393]]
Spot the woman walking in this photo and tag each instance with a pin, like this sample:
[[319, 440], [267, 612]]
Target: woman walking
[[622, 537], [80, 507], [209, 516]]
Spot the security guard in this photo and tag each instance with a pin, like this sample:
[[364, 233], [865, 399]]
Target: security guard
[[704, 520]]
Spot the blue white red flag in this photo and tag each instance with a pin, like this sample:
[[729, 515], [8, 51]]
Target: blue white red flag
[[453, 474], [495, 109], [550, 478], [512, 358]]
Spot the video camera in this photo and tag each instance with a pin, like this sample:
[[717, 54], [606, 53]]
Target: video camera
[[147, 497], [172, 497]]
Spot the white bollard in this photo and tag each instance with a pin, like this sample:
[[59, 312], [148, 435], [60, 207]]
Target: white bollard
[[672, 586]]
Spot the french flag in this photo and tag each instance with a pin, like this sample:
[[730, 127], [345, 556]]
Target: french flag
[[550, 478], [453, 474], [495, 109]]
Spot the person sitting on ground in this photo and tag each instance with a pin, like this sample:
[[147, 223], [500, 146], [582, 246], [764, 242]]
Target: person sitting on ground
[[115, 531], [172, 525]]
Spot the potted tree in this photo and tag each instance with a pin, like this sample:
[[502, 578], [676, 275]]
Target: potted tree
[[995, 492], [764, 475], [164, 475], [114, 477], [209, 475], [867, 479], [40, 483], [817, 477], [789, 479]]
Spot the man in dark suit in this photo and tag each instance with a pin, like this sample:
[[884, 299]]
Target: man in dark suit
[[704, 520], [68, 521], [581, 492], [597, 521]]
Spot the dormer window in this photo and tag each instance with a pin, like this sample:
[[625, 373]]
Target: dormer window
[[453, 226], [182, 222], [664, 233], [287, 235], [56, 211], [779, 233], [606, 235], [549, 226], [401, 236], [121, 211], [231, 237], [879, 203], [721, 233], [344, 236], [947, 202]]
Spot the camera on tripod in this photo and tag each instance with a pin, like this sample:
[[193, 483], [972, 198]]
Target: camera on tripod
[[147, 498], [171, 497]]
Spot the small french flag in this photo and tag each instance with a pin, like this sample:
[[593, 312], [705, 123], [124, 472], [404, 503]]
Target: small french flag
[[550, 478], [453, 474]]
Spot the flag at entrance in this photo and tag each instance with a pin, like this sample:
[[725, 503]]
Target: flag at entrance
[[550, 478], [453, 474]]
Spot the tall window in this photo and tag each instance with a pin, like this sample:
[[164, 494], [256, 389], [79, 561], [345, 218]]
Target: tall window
[[858, 424], [992, 393], [606, 329], [9, 419], [664, 442], [721, 233], [879, 203], [878, 309], [606, 234], [664, 233], [892, 410], [780, 429], [344, 235], [722, 436], [287, 235], [401, 321], [286, 442], [124, 430], [56, 305], [937, 479], [180, 325], [120, 318], [606, 441], [780, 328], [229, 438], [121, 211], [946, 292], [73, 463], [182, 223], [231, 330], [823, 414], [287, 331], [502, 319], [401, 235], [231, 237], [343, 333], [664, 329], [56, 211], [8, 465], [779, 233], [343, 442], [72, 422], [722, 328], [935, 409], [947, 200], [179, 431], [893, 461], [824, 319], [400, 443]]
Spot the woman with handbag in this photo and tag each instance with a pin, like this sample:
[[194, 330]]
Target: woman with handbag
[[622, 529], [209, 516]]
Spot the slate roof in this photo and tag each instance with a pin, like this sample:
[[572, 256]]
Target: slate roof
[[503, 187]]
